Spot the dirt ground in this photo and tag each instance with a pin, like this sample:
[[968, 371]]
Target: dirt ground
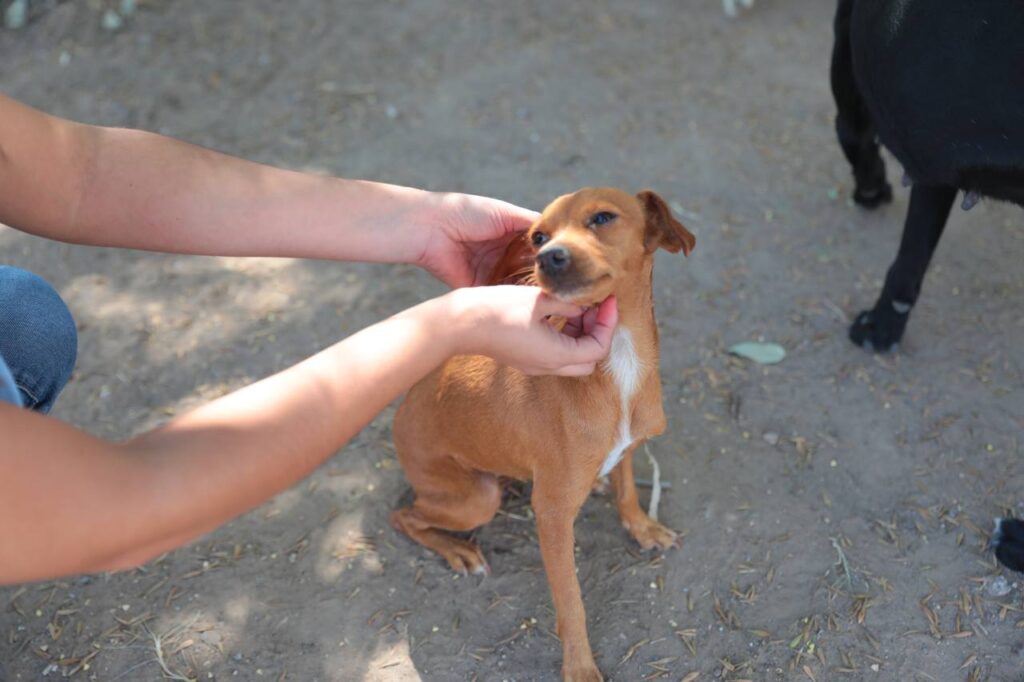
[[836, 506]]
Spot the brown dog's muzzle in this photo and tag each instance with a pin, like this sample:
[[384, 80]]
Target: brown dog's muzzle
[[554, 262], [572, 272], [560, 272]]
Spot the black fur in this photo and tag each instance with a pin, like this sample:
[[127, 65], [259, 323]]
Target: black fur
[[941, 84], [1008, 542]]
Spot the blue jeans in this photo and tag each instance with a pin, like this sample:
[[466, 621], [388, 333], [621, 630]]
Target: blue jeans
[[38, 340]]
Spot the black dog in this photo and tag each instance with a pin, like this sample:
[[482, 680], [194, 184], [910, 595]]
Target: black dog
[[941, 84]]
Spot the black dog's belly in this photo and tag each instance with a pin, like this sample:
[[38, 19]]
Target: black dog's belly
[[944, 82]]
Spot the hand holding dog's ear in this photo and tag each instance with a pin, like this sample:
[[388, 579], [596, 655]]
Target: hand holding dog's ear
[[467, 236], [663, 230]]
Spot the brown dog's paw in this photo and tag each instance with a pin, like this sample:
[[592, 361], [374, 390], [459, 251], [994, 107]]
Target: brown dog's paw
[[650, 534], [582, 673], [464, 557]]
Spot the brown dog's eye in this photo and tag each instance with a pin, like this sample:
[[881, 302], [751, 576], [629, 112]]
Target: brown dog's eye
[[601, 218], [539, 238]]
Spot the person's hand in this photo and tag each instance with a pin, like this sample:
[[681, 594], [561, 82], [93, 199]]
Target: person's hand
[[467, 235], [509, 324]]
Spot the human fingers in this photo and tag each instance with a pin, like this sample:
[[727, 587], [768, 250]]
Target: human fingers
[[483, 219], [514, 219], [573, 326], [581, 370], [547, 306], [588, 320], [595, 343]]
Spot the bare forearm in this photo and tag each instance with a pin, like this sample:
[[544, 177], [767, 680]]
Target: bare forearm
[[152, 192], [72, 503], [113, 506], [129, 188], [279, 429]]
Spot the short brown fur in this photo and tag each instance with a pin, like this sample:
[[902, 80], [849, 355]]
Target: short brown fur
[[473, 420]]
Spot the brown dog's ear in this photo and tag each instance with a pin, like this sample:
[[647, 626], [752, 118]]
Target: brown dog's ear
[[516, 264], [662, 229]]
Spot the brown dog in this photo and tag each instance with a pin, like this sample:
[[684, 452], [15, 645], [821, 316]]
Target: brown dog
[[473, 420]]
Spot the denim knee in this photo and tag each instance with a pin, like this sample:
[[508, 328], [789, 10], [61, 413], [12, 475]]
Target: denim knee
[[38, 339]]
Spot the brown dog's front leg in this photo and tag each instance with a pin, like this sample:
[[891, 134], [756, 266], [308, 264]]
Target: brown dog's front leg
[[555, 517], [645, 530]]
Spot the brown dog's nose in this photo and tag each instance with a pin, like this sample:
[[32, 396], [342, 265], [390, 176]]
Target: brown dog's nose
[[554, 260]]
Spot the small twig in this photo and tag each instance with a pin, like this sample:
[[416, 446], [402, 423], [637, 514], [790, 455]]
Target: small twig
[[847, 571], [158, 649], [129, 670], [647, 483], [652, 509], [837, 310]]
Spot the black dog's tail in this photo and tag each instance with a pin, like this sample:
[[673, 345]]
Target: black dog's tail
[[1008, 542]]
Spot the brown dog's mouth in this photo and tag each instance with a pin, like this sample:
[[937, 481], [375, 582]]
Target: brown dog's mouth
[[580, 292]]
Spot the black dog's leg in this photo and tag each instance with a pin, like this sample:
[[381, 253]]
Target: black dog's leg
[[882, 327], [853, 122], [1008, 541]]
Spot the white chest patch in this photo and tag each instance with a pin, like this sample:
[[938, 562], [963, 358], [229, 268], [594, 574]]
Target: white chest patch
[[623, 364]]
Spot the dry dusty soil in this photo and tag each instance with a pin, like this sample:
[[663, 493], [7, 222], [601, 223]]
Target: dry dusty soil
[[836, 506]]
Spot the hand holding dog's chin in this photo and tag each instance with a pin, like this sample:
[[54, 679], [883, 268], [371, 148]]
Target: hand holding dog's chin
[[509, 324]]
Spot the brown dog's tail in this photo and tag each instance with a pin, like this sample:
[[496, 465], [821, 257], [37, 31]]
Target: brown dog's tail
[[516, 265]]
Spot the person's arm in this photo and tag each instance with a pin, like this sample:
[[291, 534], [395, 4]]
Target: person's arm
[[72, 503], [128, 188]]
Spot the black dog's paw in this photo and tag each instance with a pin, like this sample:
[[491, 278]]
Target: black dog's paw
[[877, 333], [1008, 542], [873, 195]]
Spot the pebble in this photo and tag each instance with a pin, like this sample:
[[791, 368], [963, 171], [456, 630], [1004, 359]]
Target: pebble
[[111, 20], [998, 587], [771, 438], [16, 15]]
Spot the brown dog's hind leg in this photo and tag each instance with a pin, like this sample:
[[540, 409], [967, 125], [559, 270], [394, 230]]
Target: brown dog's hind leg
[[449, 497], [645, 530]]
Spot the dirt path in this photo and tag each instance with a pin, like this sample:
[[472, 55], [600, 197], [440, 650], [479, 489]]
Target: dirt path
[[896, 463]]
